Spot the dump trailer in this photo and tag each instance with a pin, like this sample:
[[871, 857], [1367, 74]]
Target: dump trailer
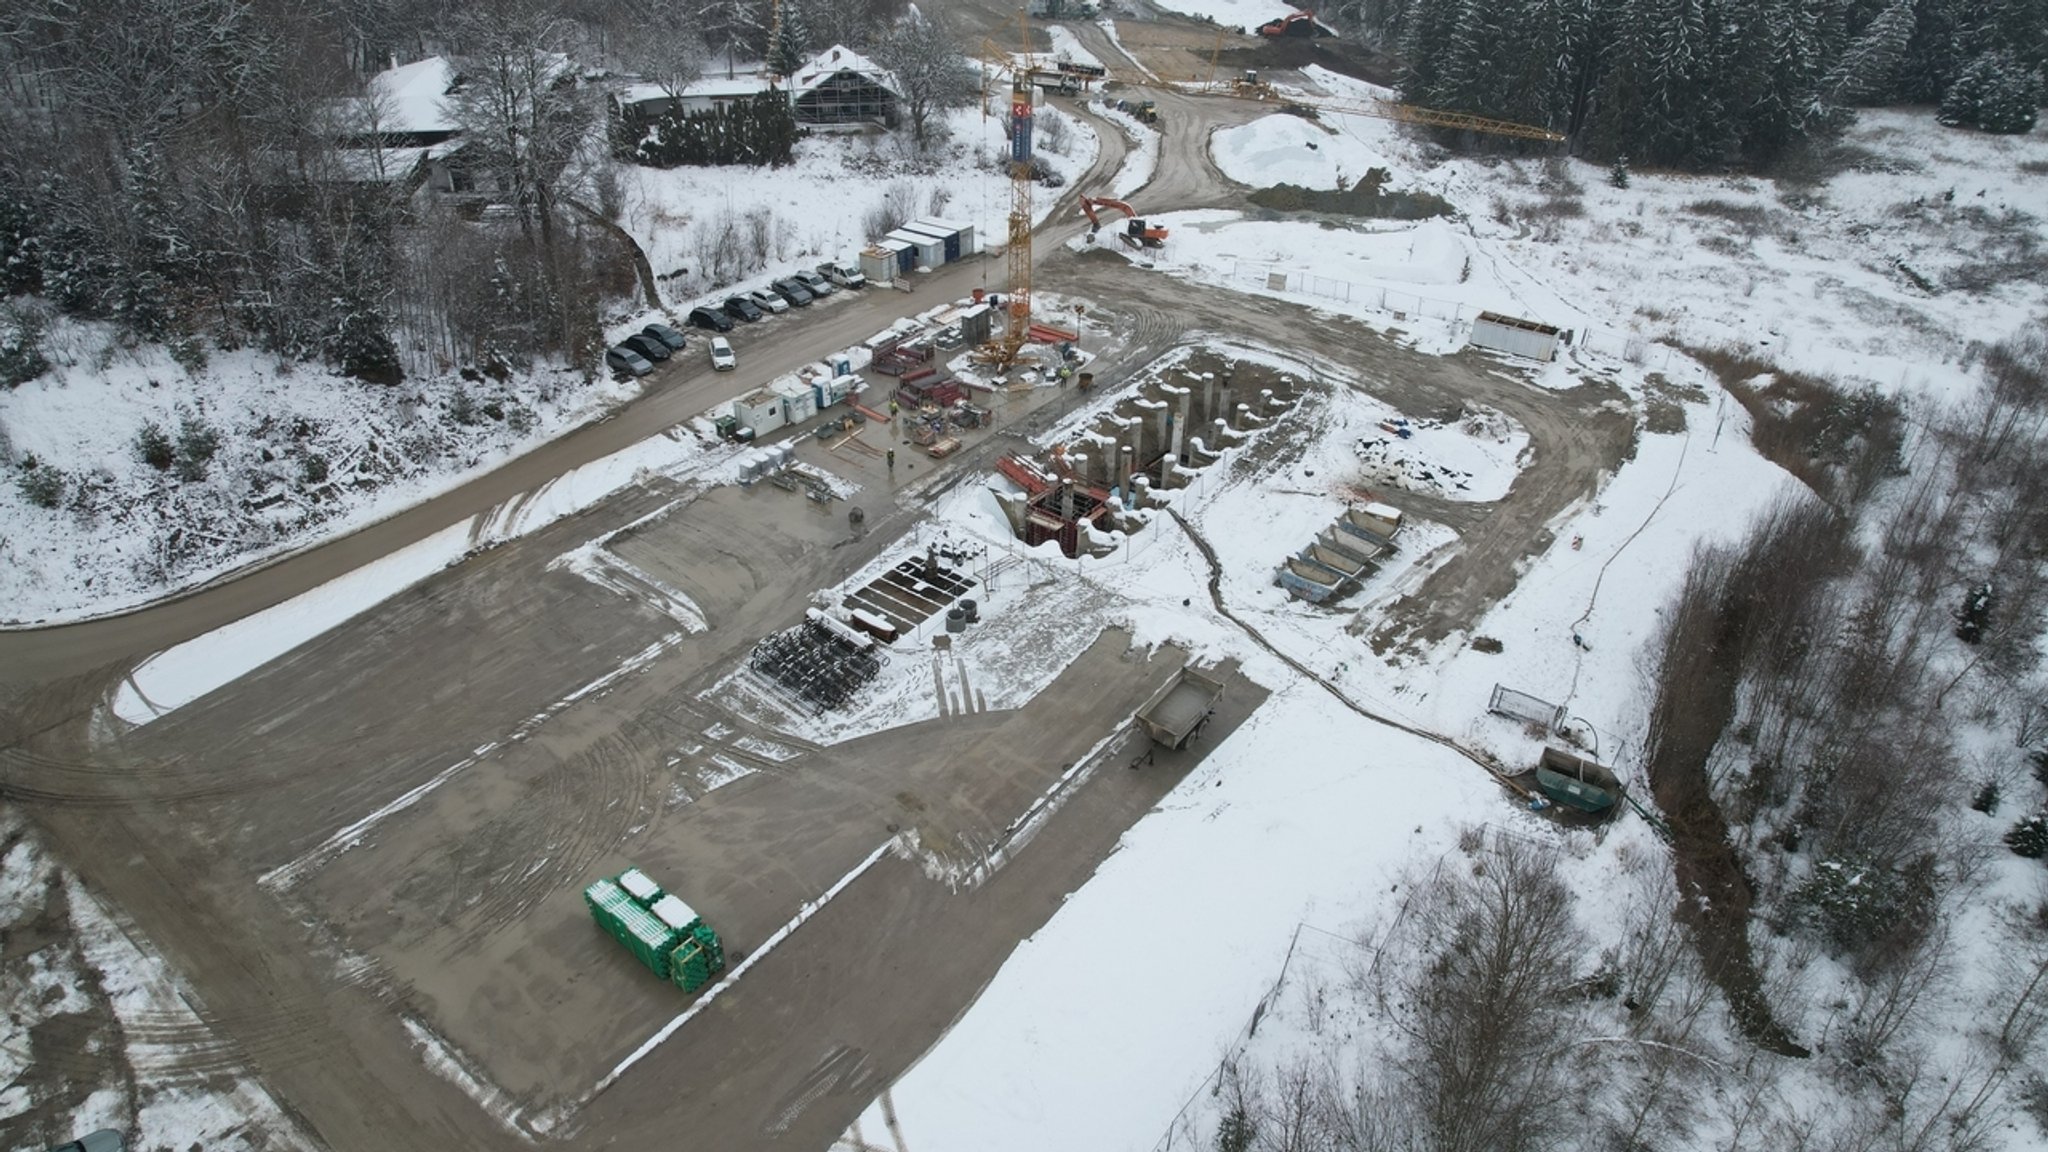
[[1177, 711]]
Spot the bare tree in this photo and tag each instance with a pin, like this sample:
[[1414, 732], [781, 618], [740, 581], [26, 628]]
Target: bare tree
[[673, 56], [1483, 1011], [521, 107], [931, 73]]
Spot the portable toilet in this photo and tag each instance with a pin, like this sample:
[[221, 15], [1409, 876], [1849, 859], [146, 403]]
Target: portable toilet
[[798, 402], [760, 411], [878, 264]]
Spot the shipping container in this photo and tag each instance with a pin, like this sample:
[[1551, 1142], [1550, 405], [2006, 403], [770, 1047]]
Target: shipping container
[[759, 411], [929, 250]]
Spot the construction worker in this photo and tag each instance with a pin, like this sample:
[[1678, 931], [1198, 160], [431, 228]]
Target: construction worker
[[892, 407], [892, 459]]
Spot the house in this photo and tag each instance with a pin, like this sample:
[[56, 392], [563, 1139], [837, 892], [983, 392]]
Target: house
[[841, 86], [838, 87], [708, 94], [402, 107]]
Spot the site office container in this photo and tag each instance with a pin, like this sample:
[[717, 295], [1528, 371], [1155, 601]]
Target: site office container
[[959, 237]]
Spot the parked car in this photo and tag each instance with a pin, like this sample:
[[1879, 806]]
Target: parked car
[[794, 292], [666, 335], [647, 346], [722, 359], [815, 284], [620, 358], [742, 308], [768, 300], [711, 318], [844, 275]]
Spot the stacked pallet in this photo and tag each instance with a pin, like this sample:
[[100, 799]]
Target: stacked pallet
[[649, 940], [659, 929]]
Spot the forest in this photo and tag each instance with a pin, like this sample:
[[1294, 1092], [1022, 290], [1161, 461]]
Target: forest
[[1711, 85], [194, 172]]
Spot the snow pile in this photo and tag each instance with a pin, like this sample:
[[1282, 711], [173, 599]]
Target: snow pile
[[1142, 159], [1282, 149]]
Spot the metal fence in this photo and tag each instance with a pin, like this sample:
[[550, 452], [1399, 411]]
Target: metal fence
[[1401, 305], [1522, 706]]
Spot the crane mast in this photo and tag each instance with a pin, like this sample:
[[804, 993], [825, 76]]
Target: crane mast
[[1017, 303]]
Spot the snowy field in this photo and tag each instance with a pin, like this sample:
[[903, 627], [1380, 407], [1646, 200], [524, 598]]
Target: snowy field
[[1232, 13]]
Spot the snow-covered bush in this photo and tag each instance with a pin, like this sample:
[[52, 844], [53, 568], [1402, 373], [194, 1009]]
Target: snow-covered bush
[[1856, 903], [1997, 92], [21, 351], [2029, 837], [41, 484]]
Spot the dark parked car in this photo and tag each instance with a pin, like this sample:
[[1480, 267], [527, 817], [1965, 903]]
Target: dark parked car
[[620, 358], [666, 335], [741, 308], [647, 346], [711, 318], [793, 292]]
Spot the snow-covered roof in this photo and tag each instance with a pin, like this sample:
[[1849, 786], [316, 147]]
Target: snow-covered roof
[[834, 60], [385, 165], [410, 96], [708, 88]]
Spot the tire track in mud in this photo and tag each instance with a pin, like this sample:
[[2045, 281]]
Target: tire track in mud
[[576, 811]]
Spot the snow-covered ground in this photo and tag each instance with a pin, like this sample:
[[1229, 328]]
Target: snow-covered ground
[[1869, 277], [1292, 832], [302, 456], [818, 207], [149, 1066], [1233, 13]]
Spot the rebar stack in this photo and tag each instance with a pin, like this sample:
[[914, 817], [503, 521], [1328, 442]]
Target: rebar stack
[[815, 667]]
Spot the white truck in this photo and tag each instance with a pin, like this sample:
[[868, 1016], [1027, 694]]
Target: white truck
[[844, 275]]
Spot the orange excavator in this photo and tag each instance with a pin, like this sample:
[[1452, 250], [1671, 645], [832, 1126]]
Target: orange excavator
[[1135, 233]]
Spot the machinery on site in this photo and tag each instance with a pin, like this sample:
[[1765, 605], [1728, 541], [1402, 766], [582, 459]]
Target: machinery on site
[[1294, 24], [1136, 233]]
